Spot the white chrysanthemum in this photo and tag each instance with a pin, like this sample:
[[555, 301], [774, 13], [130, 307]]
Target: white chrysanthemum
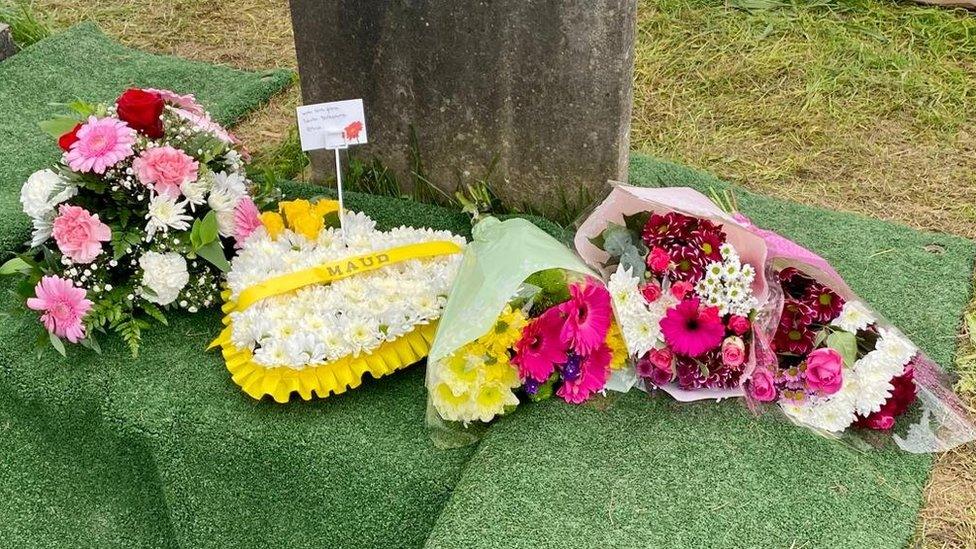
[[854, 316], [166, 213], [42, 231], [351, 316], [164, 275], [639, 320], [196, 191], [727, 285], [43, 191]]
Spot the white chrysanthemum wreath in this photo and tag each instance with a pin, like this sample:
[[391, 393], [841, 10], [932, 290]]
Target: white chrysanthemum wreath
[[357, 309]]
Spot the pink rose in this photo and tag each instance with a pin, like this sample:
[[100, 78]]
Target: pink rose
[[761, 385], [680, 289], [79, 234], [733, 352], [165, 169], [825, 370], [739, 325], [658, 260], [651, 292], [656, 366]]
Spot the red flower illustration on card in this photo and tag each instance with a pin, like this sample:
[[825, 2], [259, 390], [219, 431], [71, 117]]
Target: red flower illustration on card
[[351, 132]]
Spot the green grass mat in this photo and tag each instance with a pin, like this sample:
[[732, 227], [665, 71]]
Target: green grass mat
[[82, 63], [652, 473], [75, 484]]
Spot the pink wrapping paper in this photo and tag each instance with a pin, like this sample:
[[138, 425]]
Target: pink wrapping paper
[[628, 200]]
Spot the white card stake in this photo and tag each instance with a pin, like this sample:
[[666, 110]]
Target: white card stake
[[336, 126]]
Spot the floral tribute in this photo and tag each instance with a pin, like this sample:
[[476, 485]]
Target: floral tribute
[[837, 366], [684, 299], [555, 337], [137, 218], [312, 307]]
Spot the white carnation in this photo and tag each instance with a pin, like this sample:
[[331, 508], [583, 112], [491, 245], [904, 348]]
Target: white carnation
[[43, 191], [164, 275]]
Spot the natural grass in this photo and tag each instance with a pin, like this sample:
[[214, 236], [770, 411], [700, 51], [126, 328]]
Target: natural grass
[[25, 26], [861, 105]]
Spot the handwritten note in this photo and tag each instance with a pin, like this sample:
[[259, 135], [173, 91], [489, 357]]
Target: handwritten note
[[334, 125]]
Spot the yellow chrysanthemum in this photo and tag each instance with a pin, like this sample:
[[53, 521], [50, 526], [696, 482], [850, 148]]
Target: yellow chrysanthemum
[[491, 400], [618, 347], [506, 331], [273, 223], [501, 372], [450, 406]]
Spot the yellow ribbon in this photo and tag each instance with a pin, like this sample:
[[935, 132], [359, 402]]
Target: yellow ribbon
[[337, 270]]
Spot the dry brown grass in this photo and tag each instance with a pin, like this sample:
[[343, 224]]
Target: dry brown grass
[[859, 105]]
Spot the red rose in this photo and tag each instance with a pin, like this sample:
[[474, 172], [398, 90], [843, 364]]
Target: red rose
[[658, 260], [738, 324], [67, 139], [680, 289], [141, 110]]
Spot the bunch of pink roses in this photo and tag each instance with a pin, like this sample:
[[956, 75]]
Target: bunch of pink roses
[[135, 219]]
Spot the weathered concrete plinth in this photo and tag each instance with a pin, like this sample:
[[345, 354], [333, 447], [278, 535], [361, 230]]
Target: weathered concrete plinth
[[6, 42], [544, 87]]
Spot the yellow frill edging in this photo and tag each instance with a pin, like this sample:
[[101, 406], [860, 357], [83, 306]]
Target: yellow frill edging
[[331, 378]]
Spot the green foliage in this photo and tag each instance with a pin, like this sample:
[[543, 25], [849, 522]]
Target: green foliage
[[553, 289], [130, 329], [844, 343], [25, 26]]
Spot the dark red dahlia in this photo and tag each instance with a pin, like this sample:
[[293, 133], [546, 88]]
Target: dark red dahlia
[[708, 372], [901, 398], [666, 228], [824, 302], [794, 282], [709, 244], [793, 335]]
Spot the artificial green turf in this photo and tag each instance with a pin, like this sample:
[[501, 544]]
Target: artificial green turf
[[82, 63], [651, 473]]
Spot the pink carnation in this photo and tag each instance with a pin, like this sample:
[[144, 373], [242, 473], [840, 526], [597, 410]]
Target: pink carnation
[[247, 218], [79, 234], [165, 169], [186, 102], [64, 307], [594, 373], [101, 144]]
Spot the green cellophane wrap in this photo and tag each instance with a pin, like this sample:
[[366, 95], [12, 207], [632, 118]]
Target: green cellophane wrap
[[502, 255]]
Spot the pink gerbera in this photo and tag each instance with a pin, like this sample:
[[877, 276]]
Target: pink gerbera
[[692, 330], [247, 218], [587, 316], [540, 348], [64, 307], [594, 373], [101, 144]]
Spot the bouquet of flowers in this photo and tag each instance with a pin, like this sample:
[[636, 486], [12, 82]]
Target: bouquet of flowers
[[311, 308], [841, 367], [687, 285], [136, 218], [525, 319]]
